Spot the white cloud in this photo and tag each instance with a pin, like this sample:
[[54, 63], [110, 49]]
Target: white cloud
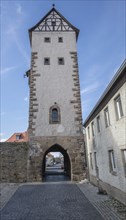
[[3, 140], [26, 99], [90, 88], [8, 69]]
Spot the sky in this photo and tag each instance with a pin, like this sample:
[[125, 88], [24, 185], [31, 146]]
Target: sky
[[101, 51]]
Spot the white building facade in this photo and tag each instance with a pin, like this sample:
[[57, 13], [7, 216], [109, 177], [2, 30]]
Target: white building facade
[[106, 138], [55, 118]]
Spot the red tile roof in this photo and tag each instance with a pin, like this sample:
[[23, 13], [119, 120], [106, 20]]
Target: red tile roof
[[19, 137]]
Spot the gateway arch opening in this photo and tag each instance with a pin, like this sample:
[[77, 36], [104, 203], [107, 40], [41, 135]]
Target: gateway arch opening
[[56, 165]]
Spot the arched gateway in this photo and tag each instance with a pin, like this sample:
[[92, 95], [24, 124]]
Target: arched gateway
[[55, 118], [66, 160]]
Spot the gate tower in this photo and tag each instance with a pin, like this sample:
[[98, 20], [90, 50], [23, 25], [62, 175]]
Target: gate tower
[[55, 117]]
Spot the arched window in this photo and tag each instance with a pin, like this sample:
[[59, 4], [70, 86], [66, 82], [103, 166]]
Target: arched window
[[54, 115]]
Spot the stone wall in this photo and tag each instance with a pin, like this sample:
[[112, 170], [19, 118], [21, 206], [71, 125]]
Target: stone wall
[[13, 162], [74, 147]]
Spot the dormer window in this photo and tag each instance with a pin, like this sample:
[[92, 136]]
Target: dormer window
[[18, 137]]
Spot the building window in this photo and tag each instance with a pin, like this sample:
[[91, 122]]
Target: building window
[[53, 23], [47, 39], [88, 132], [61, 61], [92, 127], [118, 107], [54, 115], [46, 61], [91, 161], [18, 137], [107, 119], [124, 159], [60, 39], [95, 159], [112, 164], [98, 124]]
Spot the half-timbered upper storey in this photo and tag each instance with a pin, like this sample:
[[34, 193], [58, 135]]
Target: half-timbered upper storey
[[53, 21]]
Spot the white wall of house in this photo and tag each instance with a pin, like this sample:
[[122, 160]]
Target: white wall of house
[[109, 138]]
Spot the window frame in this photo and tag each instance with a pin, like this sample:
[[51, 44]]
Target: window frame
[[118, 107], [112, 163], [60, 39], [47, 41], [88, 131], [51, 121], [124, 160], [45, 61], [61, 62], [92, 128], [91, 160], [106, 117], [98, 124]]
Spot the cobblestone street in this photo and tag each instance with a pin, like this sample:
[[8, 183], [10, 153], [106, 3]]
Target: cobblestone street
[[55, 201]]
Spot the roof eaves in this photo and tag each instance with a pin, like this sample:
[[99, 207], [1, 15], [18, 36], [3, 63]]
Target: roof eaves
[[114, 79]]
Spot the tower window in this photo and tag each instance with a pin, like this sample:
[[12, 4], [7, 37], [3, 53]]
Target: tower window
[[60, 39], [46, 61], [47, 39], [53, 23], [54, 115], [61, 61]]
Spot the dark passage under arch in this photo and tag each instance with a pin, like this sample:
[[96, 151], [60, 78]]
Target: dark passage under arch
[[57, 176]]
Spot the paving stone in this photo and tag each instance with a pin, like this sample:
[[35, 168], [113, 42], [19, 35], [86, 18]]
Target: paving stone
[[49, 202]]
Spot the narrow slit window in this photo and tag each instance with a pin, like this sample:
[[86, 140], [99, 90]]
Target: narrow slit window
[[98, 124], [92, 127], [112, 164], [107, 119], [118, 107]]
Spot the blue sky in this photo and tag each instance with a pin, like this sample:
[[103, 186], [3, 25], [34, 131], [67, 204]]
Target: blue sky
[[101, 50]]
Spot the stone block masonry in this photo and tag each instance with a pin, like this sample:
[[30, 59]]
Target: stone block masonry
[[13, 162]]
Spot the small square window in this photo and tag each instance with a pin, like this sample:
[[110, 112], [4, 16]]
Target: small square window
[[46, 61], [47, 39], [61, 61], [60, 39]]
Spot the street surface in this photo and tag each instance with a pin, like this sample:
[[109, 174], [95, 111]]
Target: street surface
[[49, 202]]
